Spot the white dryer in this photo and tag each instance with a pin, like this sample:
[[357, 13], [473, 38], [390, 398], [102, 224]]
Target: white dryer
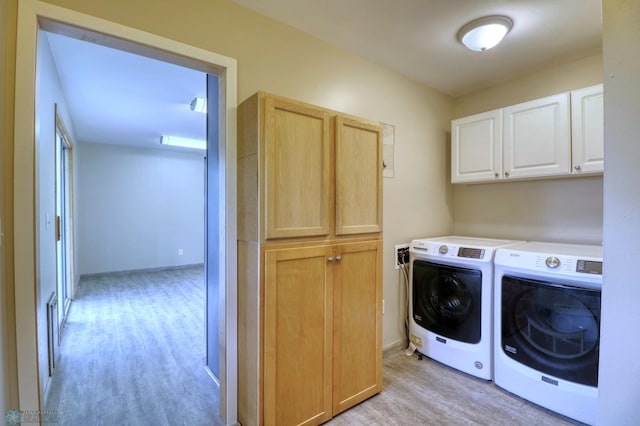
[[547, 325], [451, 298]]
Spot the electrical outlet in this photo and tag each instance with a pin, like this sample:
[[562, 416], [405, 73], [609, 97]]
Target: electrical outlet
[[402, 255]]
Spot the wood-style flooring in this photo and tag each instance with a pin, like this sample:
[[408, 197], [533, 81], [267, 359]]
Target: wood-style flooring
[[133, 354], [420, 391]]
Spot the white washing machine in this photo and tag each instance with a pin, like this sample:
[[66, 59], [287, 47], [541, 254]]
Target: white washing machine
[[547, 325], [451, 301]]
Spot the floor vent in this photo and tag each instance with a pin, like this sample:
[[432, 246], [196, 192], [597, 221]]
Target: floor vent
[[52, 331]]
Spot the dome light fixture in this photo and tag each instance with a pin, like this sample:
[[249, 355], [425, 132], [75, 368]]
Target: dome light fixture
[[484, 33]]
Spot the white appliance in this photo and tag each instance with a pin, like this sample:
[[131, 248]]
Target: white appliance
[[547, 325], [451, 301]]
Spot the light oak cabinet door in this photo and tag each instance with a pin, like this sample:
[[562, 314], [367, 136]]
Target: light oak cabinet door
[[537, 138], [476, 147], [297, 171], [298, 331], [587, 130], [357, 324], [358, 176]]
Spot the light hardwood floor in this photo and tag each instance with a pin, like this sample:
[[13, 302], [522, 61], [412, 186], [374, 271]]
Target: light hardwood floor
[[420, 391], [133, 354]]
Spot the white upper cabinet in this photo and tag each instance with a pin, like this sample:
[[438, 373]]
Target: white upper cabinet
[[476, 147], [560, 135], [587, 130], [537, 138]]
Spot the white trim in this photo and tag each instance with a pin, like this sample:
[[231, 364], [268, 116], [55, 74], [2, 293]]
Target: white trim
[[30, 14]]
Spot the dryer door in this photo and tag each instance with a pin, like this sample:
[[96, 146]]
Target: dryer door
[[447, 300], [551, 327]]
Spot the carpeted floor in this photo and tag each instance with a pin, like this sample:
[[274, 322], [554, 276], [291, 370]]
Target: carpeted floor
[[133, 353]]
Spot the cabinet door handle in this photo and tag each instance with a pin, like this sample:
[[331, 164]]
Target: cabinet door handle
[[506, 174], [330, 260], [338, 258], [497, 174], [578, 168]]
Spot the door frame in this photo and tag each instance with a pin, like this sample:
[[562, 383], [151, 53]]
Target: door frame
[[32, 15], [66, 232]]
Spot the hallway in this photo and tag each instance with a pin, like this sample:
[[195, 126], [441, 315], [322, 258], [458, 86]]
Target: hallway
[[133, 352]]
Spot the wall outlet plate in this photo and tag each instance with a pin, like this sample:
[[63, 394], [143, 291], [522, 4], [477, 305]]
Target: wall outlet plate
[[401, 255]]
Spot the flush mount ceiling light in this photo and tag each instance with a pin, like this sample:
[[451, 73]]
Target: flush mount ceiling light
[[484, 33], [183, 142], [199, 104]]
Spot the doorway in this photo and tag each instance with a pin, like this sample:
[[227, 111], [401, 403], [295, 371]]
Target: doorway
[[64, 220], [140, 208], [34, 15]]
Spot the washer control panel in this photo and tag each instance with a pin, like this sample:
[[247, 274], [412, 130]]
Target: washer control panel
[[552, 262], [449, 250], [589, 267], [471, 253]]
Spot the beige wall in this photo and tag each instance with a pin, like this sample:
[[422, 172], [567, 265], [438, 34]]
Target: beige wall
[[417, 200], [549, 81], [8, 377], [619, 393], [563, 210]]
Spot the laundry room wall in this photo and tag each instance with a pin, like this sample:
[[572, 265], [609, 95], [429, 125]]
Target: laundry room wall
[[139, 207], [560, 210], [279, 59]]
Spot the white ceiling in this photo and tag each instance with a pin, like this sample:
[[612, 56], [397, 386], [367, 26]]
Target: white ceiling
[[117, 97], [418, 38]]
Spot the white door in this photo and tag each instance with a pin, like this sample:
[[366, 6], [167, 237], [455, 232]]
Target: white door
[[63, 222]]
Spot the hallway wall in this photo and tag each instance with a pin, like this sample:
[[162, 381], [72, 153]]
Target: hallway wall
[[48, 95], [137, 207]]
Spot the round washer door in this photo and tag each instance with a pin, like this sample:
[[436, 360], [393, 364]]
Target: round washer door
[[447, 300]]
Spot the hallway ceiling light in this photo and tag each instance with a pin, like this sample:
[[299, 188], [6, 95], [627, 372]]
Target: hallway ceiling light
[[199, 104], [183, 142], [484, 33]]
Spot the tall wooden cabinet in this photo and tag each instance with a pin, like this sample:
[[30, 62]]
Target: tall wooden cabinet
[[309, 261]]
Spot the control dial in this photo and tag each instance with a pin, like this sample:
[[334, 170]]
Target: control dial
[[552, 262], [443, 249]]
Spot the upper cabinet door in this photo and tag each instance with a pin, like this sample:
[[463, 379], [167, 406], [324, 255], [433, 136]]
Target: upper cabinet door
[[537, 138], [587, 128], [476, 147], [297, 149], [358, 151]]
